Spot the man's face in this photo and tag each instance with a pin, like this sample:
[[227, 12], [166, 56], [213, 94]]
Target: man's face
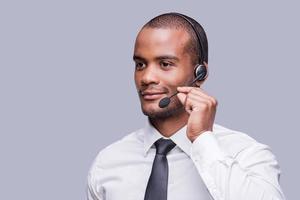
[[161, 65]]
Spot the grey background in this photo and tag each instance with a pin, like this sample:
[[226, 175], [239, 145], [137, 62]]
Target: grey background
[[67, 90]]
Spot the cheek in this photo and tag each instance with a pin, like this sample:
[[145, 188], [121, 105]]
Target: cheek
[[136, 80], [176, 78]]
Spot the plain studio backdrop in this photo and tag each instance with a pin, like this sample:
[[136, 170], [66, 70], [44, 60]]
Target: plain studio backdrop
[[67, 88]]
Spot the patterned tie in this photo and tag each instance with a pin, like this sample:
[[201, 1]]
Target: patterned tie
[[157, 187]]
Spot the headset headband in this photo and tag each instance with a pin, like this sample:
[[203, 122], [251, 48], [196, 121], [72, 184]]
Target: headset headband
[[188, 19]]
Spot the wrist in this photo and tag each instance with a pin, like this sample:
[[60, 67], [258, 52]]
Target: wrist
[[193, 138]]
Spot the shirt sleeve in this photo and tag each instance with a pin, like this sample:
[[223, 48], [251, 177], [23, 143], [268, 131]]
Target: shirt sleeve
[[252, 173], [95, 190]]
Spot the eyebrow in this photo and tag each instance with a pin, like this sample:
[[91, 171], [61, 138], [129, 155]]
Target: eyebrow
[[163, 57], [167, 57], [136, 57]]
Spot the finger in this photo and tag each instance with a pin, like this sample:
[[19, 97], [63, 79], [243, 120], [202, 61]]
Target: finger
[[181, 97], [195, 97], [197, 104], [197, 93], [184, 89], [202, 93], [194, 90]]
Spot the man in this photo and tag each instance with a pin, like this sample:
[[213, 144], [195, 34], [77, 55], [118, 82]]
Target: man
[[181, 154]]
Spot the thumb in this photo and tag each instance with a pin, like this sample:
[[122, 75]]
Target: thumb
[[181, 97]]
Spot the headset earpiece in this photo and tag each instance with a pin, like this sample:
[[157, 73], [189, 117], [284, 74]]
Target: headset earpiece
[[200, 72]]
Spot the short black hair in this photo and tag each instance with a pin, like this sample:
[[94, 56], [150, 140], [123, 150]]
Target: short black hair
[[173, 20]]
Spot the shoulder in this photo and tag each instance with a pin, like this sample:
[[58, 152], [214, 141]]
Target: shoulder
[[235, 142], [225, 134], [124, 147]]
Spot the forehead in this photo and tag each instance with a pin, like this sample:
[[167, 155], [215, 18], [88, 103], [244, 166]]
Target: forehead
[[161, 41]]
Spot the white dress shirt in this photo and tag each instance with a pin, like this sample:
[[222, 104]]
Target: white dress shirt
[[222, 165]]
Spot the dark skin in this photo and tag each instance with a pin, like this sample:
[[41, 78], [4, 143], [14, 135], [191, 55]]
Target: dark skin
[[163, 64]]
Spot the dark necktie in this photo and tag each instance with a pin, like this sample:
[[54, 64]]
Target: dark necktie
[[157, 187]]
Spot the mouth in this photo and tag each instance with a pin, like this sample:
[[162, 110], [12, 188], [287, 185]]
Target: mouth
[[152, 96]]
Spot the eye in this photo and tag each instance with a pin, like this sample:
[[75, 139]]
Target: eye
[[139, 65], [165, 64]]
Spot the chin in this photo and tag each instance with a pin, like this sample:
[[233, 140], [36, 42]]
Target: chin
[[152, 110]]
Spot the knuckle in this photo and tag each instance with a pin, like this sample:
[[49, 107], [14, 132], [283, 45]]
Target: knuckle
[[214, 101], [189, 95], [210, 104], [194, 90], [205, 106]]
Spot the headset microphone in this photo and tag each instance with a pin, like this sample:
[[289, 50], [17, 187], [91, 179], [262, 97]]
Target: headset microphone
[[200, 73]]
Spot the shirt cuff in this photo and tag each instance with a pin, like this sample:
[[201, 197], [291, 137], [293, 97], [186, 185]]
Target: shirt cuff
[[206, 150]]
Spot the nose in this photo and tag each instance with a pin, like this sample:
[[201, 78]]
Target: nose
[[150, 76]]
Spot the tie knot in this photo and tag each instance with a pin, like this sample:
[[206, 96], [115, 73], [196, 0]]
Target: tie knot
[[163, 146]]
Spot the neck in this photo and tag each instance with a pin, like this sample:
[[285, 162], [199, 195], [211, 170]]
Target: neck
[[168, 126]]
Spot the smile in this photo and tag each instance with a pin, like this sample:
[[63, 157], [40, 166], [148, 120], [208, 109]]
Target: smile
[[152, 96]]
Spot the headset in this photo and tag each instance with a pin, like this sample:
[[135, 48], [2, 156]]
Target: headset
[[200, 70]]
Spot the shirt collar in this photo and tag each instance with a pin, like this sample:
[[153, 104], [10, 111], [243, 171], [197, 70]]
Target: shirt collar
[[151, 134]]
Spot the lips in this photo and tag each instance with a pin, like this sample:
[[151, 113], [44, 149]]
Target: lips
[[152, 95]]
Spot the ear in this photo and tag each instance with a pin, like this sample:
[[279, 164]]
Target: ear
[[199, 83]]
